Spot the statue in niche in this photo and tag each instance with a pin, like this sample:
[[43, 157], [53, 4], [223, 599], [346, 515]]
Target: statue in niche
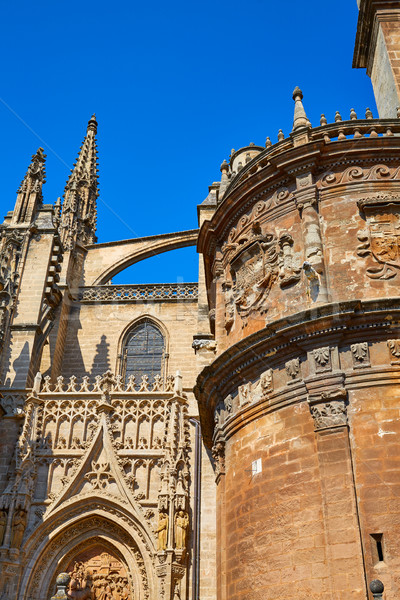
[[162, 530], [180, 486], [18, 528], [177, 591], [3, 524], [181, 525]]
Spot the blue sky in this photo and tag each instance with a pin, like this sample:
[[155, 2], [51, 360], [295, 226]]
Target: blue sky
[[174, 86]]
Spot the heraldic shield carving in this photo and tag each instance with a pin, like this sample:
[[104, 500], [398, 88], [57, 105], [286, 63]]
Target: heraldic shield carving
[[255, 261], [381, 238], [254, 270]]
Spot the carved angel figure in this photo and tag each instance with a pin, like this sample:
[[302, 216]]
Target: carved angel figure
[[18, 528], [181, 525], [162, 530]]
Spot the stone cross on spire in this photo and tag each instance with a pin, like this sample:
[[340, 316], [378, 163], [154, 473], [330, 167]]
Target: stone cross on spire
[[30, 191], [300, 118], [79, 212]]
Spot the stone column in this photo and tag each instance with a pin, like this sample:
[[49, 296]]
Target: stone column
[[306, 198], [339, 501]]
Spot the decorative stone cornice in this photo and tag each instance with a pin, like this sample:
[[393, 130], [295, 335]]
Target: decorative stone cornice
[[274, 345]]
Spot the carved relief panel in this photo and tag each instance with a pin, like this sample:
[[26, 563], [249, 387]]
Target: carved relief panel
[[254, 261], [380, 240]]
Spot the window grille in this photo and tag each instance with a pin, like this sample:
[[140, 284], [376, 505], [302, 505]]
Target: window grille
[[144, 352]]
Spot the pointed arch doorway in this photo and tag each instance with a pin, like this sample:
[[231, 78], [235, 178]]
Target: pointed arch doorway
[[99, 573]]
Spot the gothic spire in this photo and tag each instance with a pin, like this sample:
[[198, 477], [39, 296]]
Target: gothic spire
[[79, 212], [30, 191], [300, 118]]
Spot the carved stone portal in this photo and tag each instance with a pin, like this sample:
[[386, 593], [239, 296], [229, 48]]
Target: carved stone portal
[[98, 575]]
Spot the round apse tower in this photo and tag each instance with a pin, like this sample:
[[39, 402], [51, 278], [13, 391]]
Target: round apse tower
[[301, 404]]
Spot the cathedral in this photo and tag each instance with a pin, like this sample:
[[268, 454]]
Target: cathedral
[[236, 438]]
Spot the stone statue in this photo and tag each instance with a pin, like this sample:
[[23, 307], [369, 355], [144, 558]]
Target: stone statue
[[162, 531], [3, 524], [181, 525], [18, 528]]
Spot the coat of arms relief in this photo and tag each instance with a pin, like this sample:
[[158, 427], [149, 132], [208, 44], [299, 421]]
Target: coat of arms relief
[[380, 239], [255, 261]]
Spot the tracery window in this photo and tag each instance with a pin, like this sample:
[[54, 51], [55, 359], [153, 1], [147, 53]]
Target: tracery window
[[144, 352]]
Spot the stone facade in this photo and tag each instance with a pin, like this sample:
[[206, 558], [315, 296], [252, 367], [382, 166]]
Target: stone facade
[[236, 438], [102, 472]]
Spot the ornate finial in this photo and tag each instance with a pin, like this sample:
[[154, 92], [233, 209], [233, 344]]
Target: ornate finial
[[233, 151], [280, 135], [368, 114], [252, 144], [300, 118], [323, 120], [353, 115], [376, 586], [338, 117], [297, 93], [92, 124], [224, 166], [62, 582], [268, 142]]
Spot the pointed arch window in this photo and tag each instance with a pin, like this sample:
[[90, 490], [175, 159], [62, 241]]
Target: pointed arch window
[[144, 352]]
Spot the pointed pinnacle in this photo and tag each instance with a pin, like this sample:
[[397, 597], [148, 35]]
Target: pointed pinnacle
[[92, 124], [300, 118]]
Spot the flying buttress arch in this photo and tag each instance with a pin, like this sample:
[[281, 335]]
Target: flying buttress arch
[[113, 257]]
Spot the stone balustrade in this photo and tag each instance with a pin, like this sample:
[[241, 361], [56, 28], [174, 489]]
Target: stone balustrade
[[159, 292]]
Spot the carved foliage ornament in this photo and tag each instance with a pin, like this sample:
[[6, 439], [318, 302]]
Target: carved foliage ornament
[[293, 369], [329, 409], [380, 239], [394, 347], [360, 354]]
